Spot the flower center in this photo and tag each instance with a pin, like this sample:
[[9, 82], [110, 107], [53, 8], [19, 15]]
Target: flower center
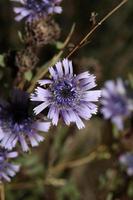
[[36, 5], [15, 119], [65, 93], [119, 105], [19, 115]]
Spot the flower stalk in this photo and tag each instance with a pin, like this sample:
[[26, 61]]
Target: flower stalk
[[2, 191], [85, 39]]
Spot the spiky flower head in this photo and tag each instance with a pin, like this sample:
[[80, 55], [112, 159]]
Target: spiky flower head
[[17, 124], [41, 32], [34, 9], [7, 169], [67, 95], [115, 103], [26, 59], [127, 161]]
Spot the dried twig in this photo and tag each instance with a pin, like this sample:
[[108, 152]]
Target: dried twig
[[83, 41], [2, 192]]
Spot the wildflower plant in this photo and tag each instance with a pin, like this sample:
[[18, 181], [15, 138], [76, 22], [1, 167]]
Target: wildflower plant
[[40, 96], [67, 94]]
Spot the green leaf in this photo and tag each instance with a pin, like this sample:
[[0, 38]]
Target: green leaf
[[130, 189], [116, 133], [20, 36], [2, 64], [28, 75], [59, 45]]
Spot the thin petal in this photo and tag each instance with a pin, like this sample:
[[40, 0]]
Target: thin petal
[[91, 95], [23, 143], [40, 108], [66, 66], [45, 82], [1, 134], [53, 73], [66, 117], [42, 126], [83, 75], [59, 69], [54, 115]]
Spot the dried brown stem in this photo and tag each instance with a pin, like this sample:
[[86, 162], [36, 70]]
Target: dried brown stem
[[81, 43], [2, 192]]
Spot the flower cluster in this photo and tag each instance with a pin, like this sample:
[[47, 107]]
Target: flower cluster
[[67, 95], [115, 102], [7, 169], [17, 124], [64, 94], [34, 9]]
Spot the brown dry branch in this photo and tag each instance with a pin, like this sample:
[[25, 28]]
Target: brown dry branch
[[56, 182], [2, 192], [84, 41]]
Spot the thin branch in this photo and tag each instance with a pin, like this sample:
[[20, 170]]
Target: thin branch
[[56, 182], [79, 162], [95, 28]]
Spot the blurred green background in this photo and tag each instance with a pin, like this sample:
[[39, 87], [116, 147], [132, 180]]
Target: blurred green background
[[72, 164]]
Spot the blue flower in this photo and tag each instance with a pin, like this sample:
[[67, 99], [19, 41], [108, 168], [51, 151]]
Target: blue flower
[[115, 103], [67, 95], [7, 169], [34, 9], [127, 161], [17, 124]]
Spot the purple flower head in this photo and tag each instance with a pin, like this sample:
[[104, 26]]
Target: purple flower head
[[127, 161], [67, 95], [115, 104], [17, 124], [34, 9], [7, 169]]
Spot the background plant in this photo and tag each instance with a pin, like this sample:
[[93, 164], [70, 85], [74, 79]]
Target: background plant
[[72, 164]]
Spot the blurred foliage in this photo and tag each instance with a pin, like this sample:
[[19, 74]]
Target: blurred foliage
[[56, 170]]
